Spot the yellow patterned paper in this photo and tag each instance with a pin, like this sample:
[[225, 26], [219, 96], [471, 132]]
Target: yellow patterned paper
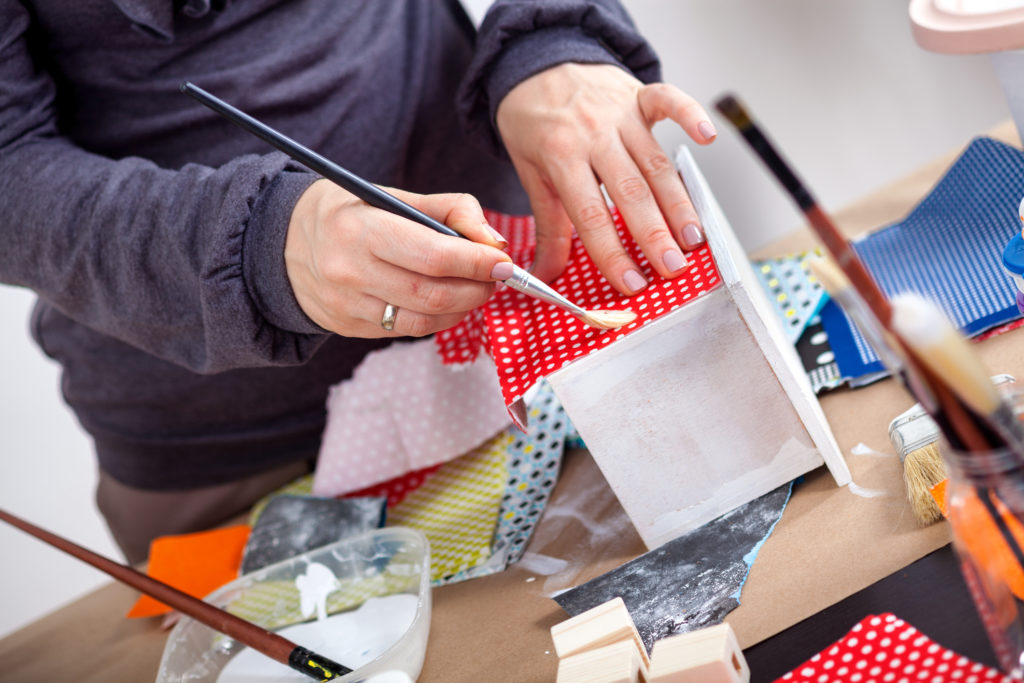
[[273, 604], [457, 507]]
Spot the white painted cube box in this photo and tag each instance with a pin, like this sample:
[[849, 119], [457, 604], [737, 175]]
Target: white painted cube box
[[705, 408]]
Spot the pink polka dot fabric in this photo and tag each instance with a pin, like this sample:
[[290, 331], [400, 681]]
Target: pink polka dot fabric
[[404, 410], [530, 339], [885, 649]]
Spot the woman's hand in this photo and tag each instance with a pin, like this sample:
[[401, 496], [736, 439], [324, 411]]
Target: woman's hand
[[575, 126], [347, 260]]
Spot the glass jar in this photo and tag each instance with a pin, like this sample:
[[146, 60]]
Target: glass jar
[[985, 509]]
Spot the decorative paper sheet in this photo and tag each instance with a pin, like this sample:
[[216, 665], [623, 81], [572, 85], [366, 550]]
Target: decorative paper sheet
[[533, 463], [196, 564], [534, 459], [885, 648], [395, 490], [690, 582], [401, 411], [795, 294], [291, 525], [457, 508], [817, 357], [529, 339]]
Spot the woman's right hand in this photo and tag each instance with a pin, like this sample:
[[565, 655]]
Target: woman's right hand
[[347, 260]]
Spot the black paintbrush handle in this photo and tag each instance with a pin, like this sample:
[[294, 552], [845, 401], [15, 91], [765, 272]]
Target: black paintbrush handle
[[367, 191]]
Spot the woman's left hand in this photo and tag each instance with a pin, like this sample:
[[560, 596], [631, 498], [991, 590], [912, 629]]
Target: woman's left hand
[[573, 127]]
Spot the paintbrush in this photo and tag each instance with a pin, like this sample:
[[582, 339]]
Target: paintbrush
[[521, 280], [922, 463], [937, 386], [923, 326], [964, 428], [839, 288], [276, 647], [941, 347]]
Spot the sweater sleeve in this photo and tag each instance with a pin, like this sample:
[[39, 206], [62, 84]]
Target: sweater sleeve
[[185, 264], [520, 38]]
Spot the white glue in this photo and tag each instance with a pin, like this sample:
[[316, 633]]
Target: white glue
[[314, 586], [351, 638]]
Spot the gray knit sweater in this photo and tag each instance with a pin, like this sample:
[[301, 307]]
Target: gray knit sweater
[[153, 231]]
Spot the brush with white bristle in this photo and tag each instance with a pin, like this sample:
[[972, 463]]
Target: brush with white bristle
[[913, 434], [841, 289], [522, 281], [945, 352], [925, 328]]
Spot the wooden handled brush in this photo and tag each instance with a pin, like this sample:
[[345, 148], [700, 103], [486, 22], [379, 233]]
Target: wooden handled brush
[[280, 649]]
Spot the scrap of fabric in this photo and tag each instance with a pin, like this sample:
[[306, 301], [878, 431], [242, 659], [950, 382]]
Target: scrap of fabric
[[885, 648]]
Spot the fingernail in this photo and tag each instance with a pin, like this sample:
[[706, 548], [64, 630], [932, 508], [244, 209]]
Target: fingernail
[[497, 235], [502, 270], [693, 236], [673, 260], [634, 281], [707, 129]]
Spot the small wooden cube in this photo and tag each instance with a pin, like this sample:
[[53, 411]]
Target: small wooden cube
[[710, 655], [616, 663], [603, 625]]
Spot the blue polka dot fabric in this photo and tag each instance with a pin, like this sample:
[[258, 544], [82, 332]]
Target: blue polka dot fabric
[[533, 463], [793, 292], [949, 249]]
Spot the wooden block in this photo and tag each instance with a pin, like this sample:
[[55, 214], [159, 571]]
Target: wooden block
[[599, 626], [705, 408], [616, 663], [710, 655]]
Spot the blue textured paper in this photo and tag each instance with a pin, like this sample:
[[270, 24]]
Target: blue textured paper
[[947, 249]]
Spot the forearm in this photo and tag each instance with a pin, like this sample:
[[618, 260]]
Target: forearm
[[181, 264]]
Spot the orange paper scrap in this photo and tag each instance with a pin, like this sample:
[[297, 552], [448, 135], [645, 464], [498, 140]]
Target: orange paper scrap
[[196, 564]]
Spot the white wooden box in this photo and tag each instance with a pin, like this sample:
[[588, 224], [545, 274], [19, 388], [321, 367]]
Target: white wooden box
[[705, 408]]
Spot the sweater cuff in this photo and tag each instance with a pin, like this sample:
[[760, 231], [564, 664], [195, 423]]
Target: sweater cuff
[[534, 52], [263, 266]]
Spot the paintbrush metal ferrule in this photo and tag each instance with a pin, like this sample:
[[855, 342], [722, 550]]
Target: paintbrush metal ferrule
[[523, 281]]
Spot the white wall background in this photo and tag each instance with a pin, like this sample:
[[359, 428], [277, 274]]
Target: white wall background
[[840, 86]]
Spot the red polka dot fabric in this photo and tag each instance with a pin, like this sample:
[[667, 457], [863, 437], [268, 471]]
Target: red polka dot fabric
[[885, 649], [530, 339]]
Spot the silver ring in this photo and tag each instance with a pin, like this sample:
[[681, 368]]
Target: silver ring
[[388, 321]]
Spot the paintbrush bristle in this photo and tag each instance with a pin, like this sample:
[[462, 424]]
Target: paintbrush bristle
[[923, 469], [608, 320], [922, 325]]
